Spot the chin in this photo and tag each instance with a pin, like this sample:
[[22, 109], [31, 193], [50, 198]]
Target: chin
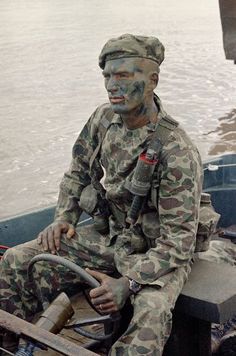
[[119, 109]]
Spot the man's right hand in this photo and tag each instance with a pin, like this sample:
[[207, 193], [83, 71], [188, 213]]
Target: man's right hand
[[50, 237]]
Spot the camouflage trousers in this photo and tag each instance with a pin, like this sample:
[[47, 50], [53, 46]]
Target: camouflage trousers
[[151, 324]]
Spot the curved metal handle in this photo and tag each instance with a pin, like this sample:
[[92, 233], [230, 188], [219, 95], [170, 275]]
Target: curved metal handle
[[64, 262], [112, 320]]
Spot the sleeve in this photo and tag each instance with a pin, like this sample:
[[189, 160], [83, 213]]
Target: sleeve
[[78, 175], [178, 208]]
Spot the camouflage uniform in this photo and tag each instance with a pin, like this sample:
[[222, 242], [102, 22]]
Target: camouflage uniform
[[220, 251], [156, 252], [161, 262]]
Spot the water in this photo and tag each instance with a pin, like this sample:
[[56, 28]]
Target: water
[[50, 82]]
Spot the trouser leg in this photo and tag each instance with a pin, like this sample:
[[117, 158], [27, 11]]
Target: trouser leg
[[20, 297], [151, 324]]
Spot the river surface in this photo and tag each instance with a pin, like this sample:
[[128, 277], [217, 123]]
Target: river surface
[[50, 82]]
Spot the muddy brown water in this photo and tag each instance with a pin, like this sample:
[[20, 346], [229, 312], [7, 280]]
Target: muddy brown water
[[50, 82]]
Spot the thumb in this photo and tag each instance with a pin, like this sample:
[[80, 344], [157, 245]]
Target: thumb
[[70, 232], [98, 275]]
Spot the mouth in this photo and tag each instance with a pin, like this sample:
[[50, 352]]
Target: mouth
[[116, 99]]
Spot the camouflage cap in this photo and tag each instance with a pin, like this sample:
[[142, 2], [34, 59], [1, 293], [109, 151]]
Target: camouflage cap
[[128, 45]]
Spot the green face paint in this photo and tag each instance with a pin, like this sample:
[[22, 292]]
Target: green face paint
[[127, 85]]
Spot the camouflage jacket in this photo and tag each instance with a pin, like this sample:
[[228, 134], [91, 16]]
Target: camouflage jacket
[[164, 237]]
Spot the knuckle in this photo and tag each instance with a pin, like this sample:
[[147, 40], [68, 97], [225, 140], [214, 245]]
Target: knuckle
[[110, 295]]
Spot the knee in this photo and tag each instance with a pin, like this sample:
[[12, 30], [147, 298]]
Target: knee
[[8, 257], [16, 258]]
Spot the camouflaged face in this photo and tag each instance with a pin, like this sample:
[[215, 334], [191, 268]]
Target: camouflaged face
[[128, 45]]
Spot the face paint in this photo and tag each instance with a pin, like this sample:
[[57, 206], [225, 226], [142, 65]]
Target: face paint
[[127, 85]]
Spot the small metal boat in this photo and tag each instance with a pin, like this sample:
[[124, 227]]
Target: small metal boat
[[219, 181]]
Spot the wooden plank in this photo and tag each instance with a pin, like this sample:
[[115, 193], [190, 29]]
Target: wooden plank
[[82, 311], [55, 342]]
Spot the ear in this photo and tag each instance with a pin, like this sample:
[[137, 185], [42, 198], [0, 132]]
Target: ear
[[154, 77]]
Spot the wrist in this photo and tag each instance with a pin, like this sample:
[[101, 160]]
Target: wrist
[[134, 287]]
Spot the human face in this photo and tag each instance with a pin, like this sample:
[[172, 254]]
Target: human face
[[128, 84]]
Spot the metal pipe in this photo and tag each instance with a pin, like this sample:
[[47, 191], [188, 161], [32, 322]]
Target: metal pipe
[[64, 262]]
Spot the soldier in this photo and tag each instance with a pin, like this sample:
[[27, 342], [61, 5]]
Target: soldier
[[145, 257]]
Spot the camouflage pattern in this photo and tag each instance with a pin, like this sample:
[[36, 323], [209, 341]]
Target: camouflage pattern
[[169, 232], [208, 220], [127, 46], [156, 252], [220, 251], [22, 298], [151, 325]]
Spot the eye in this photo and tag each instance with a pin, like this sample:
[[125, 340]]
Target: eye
[[124, 75], [106, 76]]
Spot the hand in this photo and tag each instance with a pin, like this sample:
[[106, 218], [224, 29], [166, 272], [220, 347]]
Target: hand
[[111, 295], [50, 237]]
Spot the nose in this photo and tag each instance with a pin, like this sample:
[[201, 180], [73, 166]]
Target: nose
[[112, 86]]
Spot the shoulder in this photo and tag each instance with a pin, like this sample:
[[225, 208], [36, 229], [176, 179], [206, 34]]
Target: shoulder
[[180, 151], [178, 141], [102, 113]]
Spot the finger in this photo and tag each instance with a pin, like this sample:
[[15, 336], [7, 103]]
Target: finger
[[45, 240], [70, 232], [98, 275], [57, 237], [106, 298], [108, 306], [97, 292], [51, 243], [39, 239]]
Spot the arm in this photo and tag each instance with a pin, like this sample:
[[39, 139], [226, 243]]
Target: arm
[[78, 175], [68, 210], [178, 204]]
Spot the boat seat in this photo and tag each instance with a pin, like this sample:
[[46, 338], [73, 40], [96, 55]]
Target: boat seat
[[209, 296]]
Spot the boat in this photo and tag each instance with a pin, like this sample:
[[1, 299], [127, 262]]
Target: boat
[[219, 181]]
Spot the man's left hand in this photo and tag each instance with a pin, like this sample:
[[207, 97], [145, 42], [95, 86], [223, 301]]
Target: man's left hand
[[111, 295]]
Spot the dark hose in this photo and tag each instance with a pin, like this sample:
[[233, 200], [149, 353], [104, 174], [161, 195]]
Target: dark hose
[[229, 233], [112, 320], [64, 262]]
